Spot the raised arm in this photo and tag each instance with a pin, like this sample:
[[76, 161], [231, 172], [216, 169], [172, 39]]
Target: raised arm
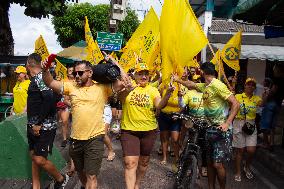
[[187, 83], [56, 86], [159, 102]]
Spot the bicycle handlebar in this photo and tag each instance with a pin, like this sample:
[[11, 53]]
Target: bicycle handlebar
[[198, 121]]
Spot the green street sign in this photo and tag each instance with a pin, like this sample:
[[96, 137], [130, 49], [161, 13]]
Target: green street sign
[[109, 41]]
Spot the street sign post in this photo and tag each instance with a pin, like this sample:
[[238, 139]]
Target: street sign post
[[109, 41]]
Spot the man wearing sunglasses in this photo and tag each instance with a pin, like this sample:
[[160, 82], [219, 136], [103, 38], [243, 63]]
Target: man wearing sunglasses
[[87, 103]]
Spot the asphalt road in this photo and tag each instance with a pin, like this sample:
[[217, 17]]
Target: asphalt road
[[158, 177]]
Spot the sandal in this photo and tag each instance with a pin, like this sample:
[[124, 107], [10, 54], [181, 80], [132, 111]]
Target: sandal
[[111, 157], [164, 162], [248, 173], [204, 171], [238, 178]]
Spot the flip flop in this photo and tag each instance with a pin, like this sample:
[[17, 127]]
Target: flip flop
[[238, 178], [111, 157], [164, 162]]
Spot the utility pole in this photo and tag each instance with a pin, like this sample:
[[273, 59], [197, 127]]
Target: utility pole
[[117, 13]]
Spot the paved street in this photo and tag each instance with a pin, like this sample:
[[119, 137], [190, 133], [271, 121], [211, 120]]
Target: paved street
[[157, 176]]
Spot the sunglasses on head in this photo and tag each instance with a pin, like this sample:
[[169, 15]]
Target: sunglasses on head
[[80, 73]]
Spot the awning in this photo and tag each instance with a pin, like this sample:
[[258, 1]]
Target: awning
[[259, 52]]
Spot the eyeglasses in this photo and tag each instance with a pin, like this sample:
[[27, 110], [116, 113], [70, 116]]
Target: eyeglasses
[[80, 73]]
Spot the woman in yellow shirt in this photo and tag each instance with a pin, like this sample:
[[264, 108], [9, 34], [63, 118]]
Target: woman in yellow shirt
[[241, 141], [139, 125], [20, 90]]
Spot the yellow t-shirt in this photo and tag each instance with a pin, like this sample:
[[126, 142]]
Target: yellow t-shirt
[[172, 105], [194, 101], [138, 113], [215, 103], [87, 105], [20, 92], [250, 108]]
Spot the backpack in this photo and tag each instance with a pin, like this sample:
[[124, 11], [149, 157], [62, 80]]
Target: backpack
[[106, 72]]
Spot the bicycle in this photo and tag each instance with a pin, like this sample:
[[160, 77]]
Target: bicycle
[[187, 165]]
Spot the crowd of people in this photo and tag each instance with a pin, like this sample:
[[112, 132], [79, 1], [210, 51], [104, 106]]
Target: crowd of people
[[143, 107]]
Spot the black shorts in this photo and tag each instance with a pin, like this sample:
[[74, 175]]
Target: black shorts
[[42, 144], [167, 123]]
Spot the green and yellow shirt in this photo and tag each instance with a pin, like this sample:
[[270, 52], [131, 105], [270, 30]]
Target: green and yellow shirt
[[215, 103]]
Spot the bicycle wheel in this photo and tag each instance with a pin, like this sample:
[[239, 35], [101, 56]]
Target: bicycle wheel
[[8, 111], [187, 173]]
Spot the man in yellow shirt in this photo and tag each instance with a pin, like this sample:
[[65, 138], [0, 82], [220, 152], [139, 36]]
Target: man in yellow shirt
[[20, 91], [216, 101], [87, 103]]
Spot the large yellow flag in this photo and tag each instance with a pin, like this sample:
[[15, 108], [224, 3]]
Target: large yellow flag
[[94, 53], [182, 37], [142, 42], [232, 50], [41, 49]]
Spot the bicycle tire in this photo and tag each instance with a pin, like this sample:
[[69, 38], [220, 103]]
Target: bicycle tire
[[187, 173], [8, 111]]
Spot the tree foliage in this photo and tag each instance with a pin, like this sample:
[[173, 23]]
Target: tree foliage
[[34, 8], [70, 27]]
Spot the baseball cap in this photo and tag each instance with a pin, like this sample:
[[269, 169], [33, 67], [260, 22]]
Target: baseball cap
[[20, 69], [140, 67], [250, 79]]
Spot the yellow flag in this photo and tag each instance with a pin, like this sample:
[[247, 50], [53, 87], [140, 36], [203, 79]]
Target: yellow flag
[[232, 50], [154, 61], [193, 63], [60, 70], [41, 49], [182, 37], [94, 53], [142, 42], [215, 60]]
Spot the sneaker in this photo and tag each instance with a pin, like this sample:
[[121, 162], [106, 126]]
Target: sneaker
[[61, 185], [248, 173]]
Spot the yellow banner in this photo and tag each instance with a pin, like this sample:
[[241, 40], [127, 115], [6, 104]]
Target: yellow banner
[[41, 49], [60, 70], [232, 51], [94, 53], [142, 42], [182, 37], [215, 60]]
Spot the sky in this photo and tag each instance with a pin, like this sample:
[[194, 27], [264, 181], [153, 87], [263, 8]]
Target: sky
[[26, 29]]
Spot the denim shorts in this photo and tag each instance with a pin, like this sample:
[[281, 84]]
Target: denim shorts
[[166, 123], [268, 115]]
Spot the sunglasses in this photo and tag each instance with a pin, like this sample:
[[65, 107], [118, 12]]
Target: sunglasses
[[80, 73]]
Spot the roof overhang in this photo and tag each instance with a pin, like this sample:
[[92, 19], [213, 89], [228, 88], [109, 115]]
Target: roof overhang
[[260, 52]]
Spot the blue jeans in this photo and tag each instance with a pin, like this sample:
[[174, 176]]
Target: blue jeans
[[268, 115]]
